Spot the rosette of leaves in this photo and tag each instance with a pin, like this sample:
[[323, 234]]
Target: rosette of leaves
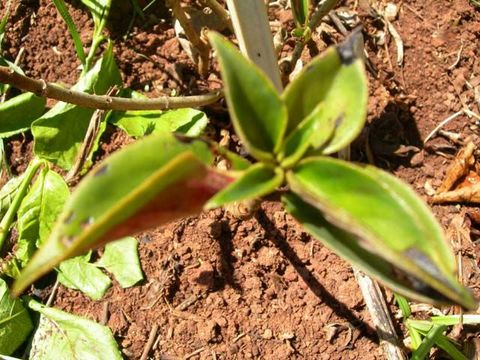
[[365, 215]]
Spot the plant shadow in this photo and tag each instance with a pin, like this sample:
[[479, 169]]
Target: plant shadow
[[392, 138], [339, 308]]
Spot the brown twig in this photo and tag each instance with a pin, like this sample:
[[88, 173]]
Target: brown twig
[[51, 297], [103, 102], [104, 317], [89, 142], [149, 344]]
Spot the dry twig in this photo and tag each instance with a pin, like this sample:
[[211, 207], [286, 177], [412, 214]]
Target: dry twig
[[53, 91], [151, 339]]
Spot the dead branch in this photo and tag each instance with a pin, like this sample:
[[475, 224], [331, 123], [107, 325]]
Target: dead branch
[[53, 91]]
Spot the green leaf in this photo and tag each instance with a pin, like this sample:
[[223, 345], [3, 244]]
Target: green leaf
[[64, 336], [151, 182], [186, 121], [38, 212], [258, 180], [447, 345], [15, 323], [4, 21], [79, 274], [100, 10], [388, 218], [63, 11], [336, 79], [314, 131], [450, 320], [18, 113], [300, 12], [428, 342], [258, 113], [60, 132], [415, 336], [8, 191], [403, 305], [348, 246], [121, 259]]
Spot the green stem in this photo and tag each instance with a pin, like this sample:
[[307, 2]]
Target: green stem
[[7, 220], [427, 343], [97, 40]]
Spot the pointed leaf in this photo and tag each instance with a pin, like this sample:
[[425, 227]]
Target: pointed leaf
[[18, 113], [347, 245], [300, 12], [15, 323], [386, 215], [336, 79], [258, 113], [153, 181], [258, 180], [64, 336], [428, 341], [60, 133], [79, 274], [121, 259]]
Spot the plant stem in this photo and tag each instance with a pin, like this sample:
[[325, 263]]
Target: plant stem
[[220, 11], [319, 13], [104, 102], [97, 40], [7, 219], [427, 343], [195, 38], [250, 21]]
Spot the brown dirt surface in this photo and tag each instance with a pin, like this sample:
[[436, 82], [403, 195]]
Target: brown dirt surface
[[222, 288]]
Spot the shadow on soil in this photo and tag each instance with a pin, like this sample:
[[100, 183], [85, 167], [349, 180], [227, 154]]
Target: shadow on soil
[[309, 278], [393, 137]]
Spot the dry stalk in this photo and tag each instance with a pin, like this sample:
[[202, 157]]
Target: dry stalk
[[105, 102], [195, 38]]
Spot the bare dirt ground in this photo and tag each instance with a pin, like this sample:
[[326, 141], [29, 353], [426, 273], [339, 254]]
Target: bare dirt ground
[[222, 288]]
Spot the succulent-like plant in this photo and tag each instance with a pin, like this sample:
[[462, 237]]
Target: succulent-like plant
[[364, 214]]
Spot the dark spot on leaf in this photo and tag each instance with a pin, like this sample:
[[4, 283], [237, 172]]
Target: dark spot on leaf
[[427, 265], [411, 281], [101, 170]]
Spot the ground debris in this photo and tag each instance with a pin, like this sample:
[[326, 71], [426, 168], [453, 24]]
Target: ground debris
[[459, 167]]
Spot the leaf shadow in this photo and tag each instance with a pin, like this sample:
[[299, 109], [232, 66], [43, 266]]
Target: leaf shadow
[[339, 308]]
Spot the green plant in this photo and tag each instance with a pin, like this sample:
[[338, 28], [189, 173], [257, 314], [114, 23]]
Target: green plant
[[426, 334], [364, 214]]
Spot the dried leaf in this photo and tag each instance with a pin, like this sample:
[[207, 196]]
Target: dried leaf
[[459, 167]]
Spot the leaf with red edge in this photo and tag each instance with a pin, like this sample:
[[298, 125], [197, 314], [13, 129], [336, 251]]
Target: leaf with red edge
[[149, 183]]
